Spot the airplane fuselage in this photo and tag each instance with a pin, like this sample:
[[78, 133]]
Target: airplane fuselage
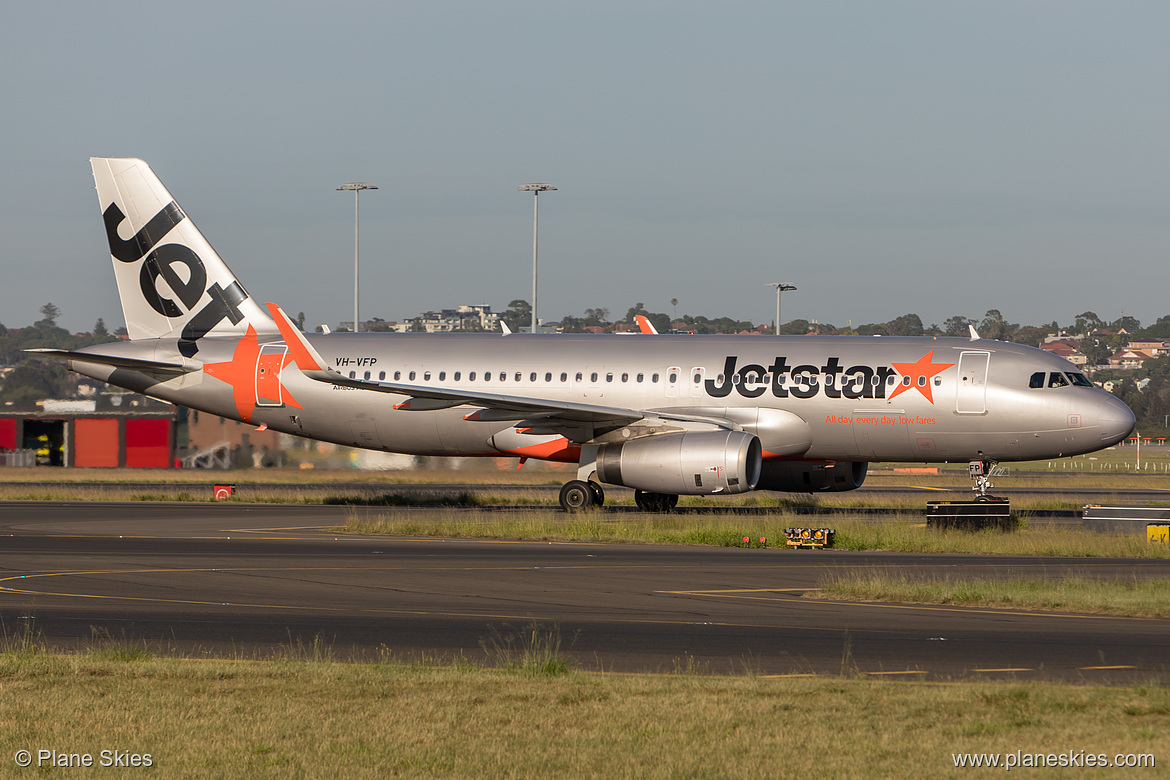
[[841, 398]]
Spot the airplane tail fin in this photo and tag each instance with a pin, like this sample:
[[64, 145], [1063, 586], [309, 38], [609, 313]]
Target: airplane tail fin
[[171, 282]]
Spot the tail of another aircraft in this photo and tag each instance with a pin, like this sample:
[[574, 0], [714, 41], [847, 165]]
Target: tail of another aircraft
[[171, 282]]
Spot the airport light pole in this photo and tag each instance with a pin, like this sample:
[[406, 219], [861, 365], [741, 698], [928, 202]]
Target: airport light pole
[[780, 287], [356, 187], [535, 189]]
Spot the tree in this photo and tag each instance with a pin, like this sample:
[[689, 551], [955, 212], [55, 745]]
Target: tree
[[1126, 322], [517, 315], [906, 325], [994, 326], [35, 380], [99, 328], [1087, 322], [1031, 336], [635, 310], [300, 320], [957, 325], [1160, 329], [49, 315]]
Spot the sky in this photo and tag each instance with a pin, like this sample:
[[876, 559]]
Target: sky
[[936, 158]]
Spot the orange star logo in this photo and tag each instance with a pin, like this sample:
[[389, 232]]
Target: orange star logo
[[920, 373], [252, 375]]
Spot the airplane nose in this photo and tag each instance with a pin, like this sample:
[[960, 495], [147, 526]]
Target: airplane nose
[[1116, 420]]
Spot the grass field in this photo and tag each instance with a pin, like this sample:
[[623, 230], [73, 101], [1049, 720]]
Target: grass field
[[320, 718]]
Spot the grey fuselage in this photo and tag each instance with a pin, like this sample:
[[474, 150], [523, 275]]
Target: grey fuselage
[[831, 398]]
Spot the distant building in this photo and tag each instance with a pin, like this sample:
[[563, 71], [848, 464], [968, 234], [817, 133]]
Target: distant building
[[1128, 359], [1067, 348], [467, 317], [73, 433]]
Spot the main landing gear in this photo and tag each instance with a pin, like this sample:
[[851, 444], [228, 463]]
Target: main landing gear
[[580, 494], [655, 502], [980, 471], [584, 493]]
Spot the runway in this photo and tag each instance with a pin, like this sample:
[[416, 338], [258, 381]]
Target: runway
[[251, 580]]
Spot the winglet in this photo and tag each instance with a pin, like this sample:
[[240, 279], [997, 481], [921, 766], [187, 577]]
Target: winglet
[[307, 358], [504, 327], [974, 335], [645, 325]]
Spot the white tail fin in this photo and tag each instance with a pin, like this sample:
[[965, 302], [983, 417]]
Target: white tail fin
[[172, 283]]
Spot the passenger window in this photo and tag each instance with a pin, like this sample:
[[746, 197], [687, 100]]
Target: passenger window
[[697, 378], [1037, 380], [578, 376], [564, 377], [504, 376], [625, 377], [905, 381], [442, 375], [674, 378], [938, 381], [532, 377], [427, 376], [548, 376], [593, 377], [517, 376], [352, 374], [367, 376], [639, 378], [411, 376], [922, 381], [397, 375], [1056, 379], [609, 376], [458, 373], [654, 379], [381, 376], [487, 376]]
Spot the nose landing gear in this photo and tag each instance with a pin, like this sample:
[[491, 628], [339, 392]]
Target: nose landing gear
[[980, 471]]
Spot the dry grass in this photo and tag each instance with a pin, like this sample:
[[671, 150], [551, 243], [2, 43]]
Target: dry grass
[[1135, 598], [221, 719], [900, 534]]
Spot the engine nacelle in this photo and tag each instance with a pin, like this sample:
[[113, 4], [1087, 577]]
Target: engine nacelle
[[689, 463], [818, 476]]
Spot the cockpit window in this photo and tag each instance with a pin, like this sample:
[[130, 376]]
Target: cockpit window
[[1056, 379], [1037, 380], [1080, 380]]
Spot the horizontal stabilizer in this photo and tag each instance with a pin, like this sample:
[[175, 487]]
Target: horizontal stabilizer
[[136, 364]]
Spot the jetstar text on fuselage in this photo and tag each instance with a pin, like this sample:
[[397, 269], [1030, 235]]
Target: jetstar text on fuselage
[[833, 378]]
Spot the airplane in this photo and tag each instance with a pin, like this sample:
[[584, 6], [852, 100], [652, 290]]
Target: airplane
[[666, 415]]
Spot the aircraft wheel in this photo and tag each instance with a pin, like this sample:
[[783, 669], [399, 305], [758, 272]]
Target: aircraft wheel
[[598, 493], [576, 496], [655, 502]]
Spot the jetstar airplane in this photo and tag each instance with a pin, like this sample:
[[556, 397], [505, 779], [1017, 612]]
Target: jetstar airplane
[[665, 415]]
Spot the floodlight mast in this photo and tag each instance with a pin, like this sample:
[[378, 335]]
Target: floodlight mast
[[780, 287], [535, 188], [356, 187]]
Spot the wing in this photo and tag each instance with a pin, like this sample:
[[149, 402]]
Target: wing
[[575, 421]]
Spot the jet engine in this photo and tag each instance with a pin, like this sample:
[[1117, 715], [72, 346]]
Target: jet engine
[[812, 476], [688, 463]]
